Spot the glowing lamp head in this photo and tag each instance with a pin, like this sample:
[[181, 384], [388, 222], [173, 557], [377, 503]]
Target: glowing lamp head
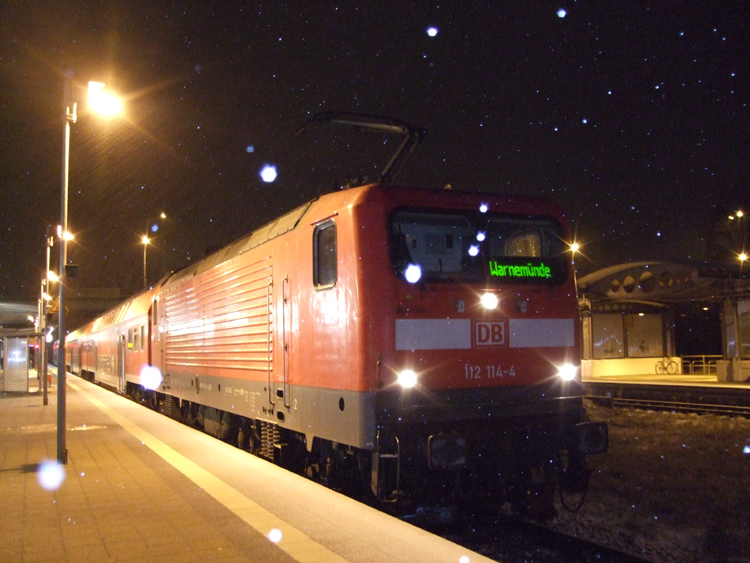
[[102, 102], [413, 273], [407, 379], [489, 301], [567, 372]]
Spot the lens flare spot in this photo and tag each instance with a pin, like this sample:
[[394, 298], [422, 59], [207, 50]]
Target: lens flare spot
[[275, 535], [561, 13], [473, 250], [413, 273], [50, 475], [268, 173], [151, 377], [432, 31], [483, 208]]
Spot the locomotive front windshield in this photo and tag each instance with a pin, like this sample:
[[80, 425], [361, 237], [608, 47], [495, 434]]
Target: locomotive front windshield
[[471, 247]]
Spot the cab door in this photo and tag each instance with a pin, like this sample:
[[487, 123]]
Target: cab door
[[279, 359], [121, 347]]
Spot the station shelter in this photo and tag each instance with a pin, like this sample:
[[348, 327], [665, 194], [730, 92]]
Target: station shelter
[[628, 319], [18, 340]]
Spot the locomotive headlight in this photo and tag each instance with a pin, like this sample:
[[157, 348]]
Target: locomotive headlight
[[407, 379], [489, 301], [567, 372]]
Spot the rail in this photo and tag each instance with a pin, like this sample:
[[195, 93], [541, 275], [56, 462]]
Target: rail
[[721, 400], [673, 406], [700, 364]]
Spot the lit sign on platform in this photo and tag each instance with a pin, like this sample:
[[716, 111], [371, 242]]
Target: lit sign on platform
[[528, 270]]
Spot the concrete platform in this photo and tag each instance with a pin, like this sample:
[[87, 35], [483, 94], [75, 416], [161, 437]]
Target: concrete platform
[[140, 487]]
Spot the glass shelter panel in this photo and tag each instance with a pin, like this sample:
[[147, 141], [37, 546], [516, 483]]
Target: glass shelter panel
[[743, 312], [645, 336], [16, 364], [608, 336]]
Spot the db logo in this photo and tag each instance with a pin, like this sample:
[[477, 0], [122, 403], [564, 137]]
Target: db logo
[[490, 334]]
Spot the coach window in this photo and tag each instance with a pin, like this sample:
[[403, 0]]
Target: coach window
[[143, 338], [130, 340], [325, 261]]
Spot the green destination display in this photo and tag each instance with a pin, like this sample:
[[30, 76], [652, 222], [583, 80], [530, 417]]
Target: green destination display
[[528, 270]]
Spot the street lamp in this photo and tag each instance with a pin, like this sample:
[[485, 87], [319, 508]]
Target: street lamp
[[105, 104], [151, 227], [46, 280], [145, 241]]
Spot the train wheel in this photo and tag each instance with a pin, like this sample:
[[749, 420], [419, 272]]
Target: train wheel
[[245, 435]]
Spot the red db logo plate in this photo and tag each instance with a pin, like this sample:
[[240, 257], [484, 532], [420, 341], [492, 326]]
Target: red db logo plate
[[490, 333]]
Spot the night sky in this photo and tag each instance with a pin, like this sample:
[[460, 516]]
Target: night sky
[[633, 116]]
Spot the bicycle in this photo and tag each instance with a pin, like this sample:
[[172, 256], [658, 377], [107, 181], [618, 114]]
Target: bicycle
[[666, 366]]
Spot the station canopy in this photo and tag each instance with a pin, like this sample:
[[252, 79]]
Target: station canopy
[[663, 283], [14, 319]]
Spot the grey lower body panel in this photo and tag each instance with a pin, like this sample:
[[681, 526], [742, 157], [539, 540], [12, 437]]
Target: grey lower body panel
[[345, 417]]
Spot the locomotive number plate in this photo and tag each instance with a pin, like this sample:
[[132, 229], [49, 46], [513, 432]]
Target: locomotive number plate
[[488, 372]]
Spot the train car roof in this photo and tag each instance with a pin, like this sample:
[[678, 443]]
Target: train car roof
[[270, 231], [132, 307], [290, 220]]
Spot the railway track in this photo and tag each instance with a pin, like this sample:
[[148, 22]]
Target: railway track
[[514, 540], [672, 406], [676, 398]]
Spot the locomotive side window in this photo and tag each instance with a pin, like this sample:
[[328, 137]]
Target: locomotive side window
[[325, 259]]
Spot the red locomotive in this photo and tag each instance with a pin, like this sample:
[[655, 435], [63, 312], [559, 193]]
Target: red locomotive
[[425, 343]]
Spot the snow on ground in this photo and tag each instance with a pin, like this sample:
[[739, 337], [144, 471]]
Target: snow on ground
[[672, 488]]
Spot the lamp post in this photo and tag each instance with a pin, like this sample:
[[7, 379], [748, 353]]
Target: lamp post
[[68, 118], [145, 241], [43, 318], [151, 226], [104, 104]]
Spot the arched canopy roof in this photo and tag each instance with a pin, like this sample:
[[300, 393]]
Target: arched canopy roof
[[662, 282]]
